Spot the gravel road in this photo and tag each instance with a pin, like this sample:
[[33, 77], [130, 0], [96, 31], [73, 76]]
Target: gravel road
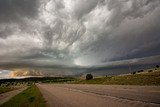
[[79, 95]]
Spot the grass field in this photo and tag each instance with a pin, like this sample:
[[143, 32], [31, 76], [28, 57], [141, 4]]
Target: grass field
[[31, 97], [146, 78], [5, 89]]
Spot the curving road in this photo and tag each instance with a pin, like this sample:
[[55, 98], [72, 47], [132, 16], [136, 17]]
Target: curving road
[[79, 95]]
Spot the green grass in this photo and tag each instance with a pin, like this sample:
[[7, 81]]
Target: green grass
[[5, 89], [31, 97], [149, 78]]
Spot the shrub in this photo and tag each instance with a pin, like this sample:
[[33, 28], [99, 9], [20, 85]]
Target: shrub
[[89, 76], [140, 71], [150, 71], [157, 66], [133, 73], [31, 99]]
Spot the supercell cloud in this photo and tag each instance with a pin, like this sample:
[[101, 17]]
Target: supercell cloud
[[78, 33]]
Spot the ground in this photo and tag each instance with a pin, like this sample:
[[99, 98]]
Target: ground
[[85, 95]]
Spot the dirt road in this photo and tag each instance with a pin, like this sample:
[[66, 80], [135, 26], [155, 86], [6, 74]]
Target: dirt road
[[70, 95], [8, 95]]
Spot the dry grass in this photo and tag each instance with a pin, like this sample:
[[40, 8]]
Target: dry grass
[[143, 78], [31, 97]]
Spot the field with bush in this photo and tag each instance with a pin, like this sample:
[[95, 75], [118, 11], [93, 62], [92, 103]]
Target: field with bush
[[147, 77], [31, 97], [5, 89]]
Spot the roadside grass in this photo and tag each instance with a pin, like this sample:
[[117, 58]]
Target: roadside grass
[[5, 89], [148, 78], [31, 97]]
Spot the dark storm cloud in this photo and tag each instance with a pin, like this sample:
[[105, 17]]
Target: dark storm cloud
[[13, 10], [84, 7], [133, 31], [5, 32], [68, 33]]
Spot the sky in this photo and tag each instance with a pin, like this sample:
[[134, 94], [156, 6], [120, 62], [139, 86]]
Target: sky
[[64, 37]]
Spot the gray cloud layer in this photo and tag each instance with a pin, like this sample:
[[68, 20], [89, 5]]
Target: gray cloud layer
[[78, 32]]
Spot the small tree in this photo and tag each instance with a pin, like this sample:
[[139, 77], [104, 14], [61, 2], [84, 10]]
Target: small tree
[[89, 76], [133, 73], [150, 71]]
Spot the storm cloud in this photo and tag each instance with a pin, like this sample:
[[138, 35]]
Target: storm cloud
[[78, 33]]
